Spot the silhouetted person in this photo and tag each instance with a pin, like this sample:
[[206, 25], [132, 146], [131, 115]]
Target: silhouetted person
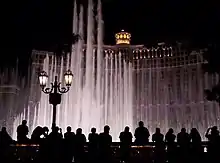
[[183, 138], [69, 138], [170, 137], [195, 138], [125, 144], [213, 144], [36, 135], [60, 132], [5, 142], [54, 142], [5, 138], [69, 135], [141, 134], [171, 146], [55, 133], [22, 132], [44, 147], [93, 144], [157, 138], [105, 141], [45, 132], [196, 145], [183, 141], [80, 141]]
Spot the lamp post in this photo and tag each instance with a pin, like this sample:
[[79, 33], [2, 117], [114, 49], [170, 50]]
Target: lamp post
[[55, 91]]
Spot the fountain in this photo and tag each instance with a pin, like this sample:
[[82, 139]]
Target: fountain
[[101, 93], [119, 85]]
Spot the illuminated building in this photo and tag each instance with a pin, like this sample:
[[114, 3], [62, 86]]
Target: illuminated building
[[123, 38]]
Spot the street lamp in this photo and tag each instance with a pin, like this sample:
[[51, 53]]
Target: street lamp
[[55, 91]]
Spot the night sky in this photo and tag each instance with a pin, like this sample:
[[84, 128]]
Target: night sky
[[41, 24]]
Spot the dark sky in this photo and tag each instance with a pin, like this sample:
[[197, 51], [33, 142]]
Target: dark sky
[[41, 24], [157, 20]]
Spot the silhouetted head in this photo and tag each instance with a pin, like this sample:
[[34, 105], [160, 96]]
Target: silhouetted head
[[214, 128], [93, 130], [171, 131], [79, 131], [106, 129], [3, 129], [157, 130], [38, 129], [194, 130], [141, 124], [127, 129], [183, 130], [24, 122], [46, 130], [68, 129]]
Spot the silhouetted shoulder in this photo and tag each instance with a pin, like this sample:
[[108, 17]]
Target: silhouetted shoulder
[[101, 134], [19, 128]]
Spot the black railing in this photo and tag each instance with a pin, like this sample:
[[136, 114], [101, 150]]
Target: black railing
[[31, 152]]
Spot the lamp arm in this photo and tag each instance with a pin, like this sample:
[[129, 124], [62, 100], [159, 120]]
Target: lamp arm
[[63, 89], [48, 90]]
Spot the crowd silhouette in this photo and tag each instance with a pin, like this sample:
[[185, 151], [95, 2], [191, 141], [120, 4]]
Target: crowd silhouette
[[56, 147]]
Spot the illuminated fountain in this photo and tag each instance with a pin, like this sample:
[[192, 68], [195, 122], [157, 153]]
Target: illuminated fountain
[[122, 84], [101, 93]]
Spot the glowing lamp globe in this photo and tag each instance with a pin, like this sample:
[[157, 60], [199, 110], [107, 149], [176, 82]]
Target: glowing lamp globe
[[123, 38], [68, 76], [43, 79]]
